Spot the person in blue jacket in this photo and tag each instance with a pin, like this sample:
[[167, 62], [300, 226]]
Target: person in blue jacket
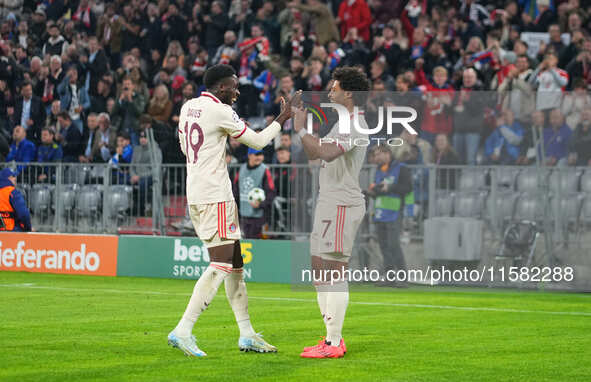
[[503, 145], [21, 150], [556, 139], [392, 190], [123, 155], [49, 151], [14, 214]]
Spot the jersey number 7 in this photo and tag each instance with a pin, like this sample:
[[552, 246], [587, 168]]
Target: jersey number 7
[[189, 139]]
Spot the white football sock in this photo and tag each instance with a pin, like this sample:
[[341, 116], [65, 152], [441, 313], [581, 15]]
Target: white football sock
[[205, 289], [321, 298], [337, 300], [238, 299]]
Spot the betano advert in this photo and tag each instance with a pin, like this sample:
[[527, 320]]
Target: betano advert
[[187, 258]]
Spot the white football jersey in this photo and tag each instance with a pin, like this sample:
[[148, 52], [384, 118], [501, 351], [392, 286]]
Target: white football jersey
[[204, 126], [339, 179]]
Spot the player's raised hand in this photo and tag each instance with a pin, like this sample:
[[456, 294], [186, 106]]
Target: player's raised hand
[[287, 107], [299, 118]]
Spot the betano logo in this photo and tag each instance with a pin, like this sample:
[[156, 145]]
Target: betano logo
[[193, 260]]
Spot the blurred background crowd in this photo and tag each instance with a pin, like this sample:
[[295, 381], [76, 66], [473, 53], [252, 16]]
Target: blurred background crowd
[[493, 82]]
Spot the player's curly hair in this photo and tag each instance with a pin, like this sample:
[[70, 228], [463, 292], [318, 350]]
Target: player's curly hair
[[351, 79], [217, 73]]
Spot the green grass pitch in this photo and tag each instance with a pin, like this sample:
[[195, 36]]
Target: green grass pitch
[[76, 328]]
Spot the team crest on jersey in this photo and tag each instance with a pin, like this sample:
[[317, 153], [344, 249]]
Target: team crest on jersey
[[232, 227]]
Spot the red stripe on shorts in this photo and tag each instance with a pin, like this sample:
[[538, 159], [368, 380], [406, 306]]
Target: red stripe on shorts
[[343, 227]]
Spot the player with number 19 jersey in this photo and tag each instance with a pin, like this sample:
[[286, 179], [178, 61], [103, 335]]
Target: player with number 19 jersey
[[204, 126]]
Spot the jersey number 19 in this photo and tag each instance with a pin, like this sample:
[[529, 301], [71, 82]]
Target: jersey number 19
[[195, 146]]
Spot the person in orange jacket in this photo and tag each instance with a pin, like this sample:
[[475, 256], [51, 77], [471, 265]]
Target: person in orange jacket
[[14, 214]]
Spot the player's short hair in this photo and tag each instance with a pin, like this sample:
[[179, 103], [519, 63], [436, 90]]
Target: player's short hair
[[350, 79], [217, 73]]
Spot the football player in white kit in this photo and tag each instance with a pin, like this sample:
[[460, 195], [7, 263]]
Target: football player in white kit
[[204, 126], [340, 207]]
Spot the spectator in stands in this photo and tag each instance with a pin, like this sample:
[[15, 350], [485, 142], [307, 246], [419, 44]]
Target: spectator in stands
[[173, 67], [74, 98], [516, 91], [502, 146], [549, 81], [556, 139], [378, 73], [527, 149], [69, 137], [413, 150], [105, 140], [315, 75], [544, 19], [97, 64], [575, 102], [468, 116], [48, 151], [144, 159], [92, 122], [321, 20], [160, 106], [252, 52], [354, 14], [228, 52], [50, 79], [122, 156], [52, 119], [98, 102], [580, 143], [14, 215], [188, 92], [284, 177], [56, 45], [298, 44], [29, 112], [215, 24], [128, 108], [444, 155], [109, 33], [266, 83], [579, 53], [253, 174], [22, 150], [438, 97]]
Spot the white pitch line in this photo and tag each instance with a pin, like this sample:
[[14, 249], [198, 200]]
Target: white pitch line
[[424, 306]]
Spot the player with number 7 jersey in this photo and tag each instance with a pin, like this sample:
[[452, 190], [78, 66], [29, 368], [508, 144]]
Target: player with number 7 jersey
[[205, 123]]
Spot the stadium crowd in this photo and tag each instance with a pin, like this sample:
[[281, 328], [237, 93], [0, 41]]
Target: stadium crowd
[[80, 80]]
